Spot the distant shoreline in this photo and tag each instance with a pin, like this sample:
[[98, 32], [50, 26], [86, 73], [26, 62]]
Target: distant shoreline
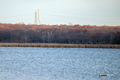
[[59, 45]]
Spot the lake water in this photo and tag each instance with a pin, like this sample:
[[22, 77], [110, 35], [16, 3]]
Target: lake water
[[36, 63]]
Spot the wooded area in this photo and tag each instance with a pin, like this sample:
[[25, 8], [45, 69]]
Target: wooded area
[[69, 34]]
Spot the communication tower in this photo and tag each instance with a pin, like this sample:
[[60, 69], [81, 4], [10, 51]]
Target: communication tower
[[38, 16]]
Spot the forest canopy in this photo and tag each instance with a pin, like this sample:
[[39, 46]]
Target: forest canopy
[[70, 34]]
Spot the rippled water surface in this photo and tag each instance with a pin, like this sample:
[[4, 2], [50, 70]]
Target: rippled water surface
[[35, 63]]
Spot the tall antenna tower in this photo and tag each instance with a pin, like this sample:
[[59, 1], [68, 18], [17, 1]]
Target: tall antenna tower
[[38, 16]]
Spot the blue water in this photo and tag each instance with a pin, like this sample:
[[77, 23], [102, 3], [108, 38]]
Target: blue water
[[35, 63]]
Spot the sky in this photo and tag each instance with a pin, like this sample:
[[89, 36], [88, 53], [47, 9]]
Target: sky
[[83, 12]]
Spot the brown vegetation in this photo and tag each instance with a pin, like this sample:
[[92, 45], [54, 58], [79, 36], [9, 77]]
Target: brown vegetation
[[68, 34], [59, 45]]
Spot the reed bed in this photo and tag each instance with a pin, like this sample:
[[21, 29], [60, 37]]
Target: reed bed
[[59, 45]]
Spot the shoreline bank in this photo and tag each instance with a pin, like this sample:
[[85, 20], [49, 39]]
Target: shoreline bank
[[59, 45]]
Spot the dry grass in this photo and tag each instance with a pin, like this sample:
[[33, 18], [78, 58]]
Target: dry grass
[[59, 45]]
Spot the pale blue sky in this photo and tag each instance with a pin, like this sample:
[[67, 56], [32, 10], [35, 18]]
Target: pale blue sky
[[83, 12]]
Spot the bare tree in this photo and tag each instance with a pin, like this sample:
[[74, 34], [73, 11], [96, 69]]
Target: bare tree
[[43, 36], [25, 37], [49, 36]]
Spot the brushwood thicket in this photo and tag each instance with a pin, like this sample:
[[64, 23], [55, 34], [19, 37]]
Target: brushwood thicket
[[70, 34]]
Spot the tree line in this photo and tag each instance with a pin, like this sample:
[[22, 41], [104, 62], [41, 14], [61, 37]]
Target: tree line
[[70, 34]]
